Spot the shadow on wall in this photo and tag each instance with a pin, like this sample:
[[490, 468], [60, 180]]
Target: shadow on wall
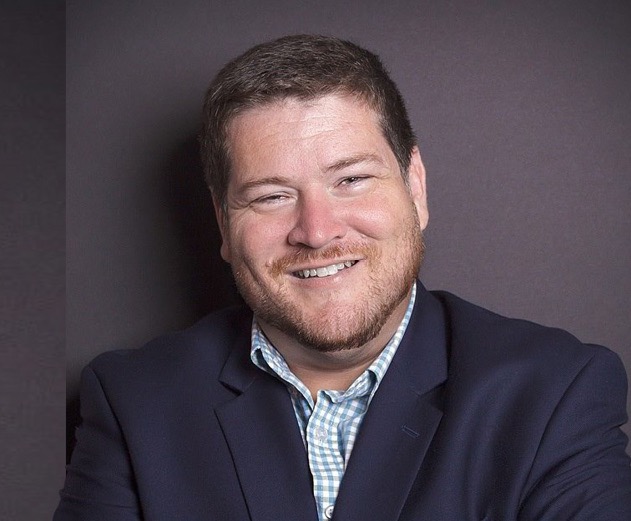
[[209, 283], [205, 278]]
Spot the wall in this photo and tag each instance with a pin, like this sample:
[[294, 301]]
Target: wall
[[32, 367], [523, 114]]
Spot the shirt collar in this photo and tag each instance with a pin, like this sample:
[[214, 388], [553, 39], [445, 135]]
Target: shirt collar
[[267, 358]]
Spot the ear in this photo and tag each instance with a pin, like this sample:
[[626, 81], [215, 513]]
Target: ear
[[417, 187], [222, 223]]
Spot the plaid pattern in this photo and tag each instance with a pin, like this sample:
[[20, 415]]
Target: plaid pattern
[[330, 425]]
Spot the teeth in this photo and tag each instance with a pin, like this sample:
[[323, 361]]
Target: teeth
[[324, 271]]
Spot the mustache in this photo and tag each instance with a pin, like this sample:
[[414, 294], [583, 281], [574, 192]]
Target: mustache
[[306, 256]]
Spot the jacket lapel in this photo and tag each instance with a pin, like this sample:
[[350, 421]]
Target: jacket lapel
[[267, 449], [400, 423]]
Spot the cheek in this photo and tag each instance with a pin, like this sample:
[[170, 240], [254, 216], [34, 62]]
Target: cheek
[[257, 242], [379, 220]]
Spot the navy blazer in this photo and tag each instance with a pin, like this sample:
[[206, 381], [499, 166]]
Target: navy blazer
[[479, 417]]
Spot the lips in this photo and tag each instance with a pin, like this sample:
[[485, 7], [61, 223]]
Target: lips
[[323, 271]]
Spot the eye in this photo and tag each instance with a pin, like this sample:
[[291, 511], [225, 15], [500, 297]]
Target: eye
[[270, 200], [353, 180]]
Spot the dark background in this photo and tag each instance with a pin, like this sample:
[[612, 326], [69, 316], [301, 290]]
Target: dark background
[[32, 366], [523, 113]]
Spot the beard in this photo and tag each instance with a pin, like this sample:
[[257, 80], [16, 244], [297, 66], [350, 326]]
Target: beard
[[324, 325]]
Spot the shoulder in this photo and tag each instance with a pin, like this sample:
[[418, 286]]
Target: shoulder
[[542, 407], [207, 344], [483, 343]]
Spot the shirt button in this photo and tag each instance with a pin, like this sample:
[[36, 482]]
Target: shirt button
[[328, 512], [321, 434]]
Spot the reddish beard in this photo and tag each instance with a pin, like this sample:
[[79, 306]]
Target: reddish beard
[[273, 308]]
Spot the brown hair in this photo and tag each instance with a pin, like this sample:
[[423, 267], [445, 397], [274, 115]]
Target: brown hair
[[303, 67]]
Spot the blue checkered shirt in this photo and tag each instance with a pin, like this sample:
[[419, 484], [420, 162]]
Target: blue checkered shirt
[[330, 425]]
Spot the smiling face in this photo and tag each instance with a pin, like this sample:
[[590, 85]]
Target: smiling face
[[323, 235]]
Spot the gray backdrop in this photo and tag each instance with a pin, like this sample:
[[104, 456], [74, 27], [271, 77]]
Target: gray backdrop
[[32, 367], [523, 113]]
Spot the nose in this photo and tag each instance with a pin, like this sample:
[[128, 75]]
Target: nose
[[319, 221]]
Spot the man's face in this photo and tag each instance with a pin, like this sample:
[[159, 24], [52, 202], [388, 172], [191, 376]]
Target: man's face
[[323, 235]]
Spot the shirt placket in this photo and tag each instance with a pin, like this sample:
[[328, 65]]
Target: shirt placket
[[325, 459]]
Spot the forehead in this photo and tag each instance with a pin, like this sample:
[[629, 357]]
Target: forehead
[[291, 110], [321, 129]]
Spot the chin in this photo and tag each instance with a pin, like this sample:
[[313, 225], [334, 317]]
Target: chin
[[334, 331]]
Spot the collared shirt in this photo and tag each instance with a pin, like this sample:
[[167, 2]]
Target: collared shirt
[[330, 425]]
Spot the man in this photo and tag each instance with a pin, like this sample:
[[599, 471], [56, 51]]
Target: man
[[345, 390]]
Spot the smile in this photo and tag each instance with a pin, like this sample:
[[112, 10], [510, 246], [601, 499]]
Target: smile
[[325, 271]]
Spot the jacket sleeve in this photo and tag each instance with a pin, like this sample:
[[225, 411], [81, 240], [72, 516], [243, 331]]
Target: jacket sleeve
[[581, 471], [99, 479]]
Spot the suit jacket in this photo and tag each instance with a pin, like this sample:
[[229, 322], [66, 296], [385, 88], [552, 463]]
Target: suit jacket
[[479, 417]]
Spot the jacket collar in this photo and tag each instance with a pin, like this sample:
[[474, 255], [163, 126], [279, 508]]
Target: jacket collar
[[262, 434], [401, 420], [265, 441]]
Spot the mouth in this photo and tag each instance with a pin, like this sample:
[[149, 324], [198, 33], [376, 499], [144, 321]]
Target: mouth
[[324, 271]]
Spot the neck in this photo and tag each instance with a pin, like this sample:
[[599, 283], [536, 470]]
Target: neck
[[331, 371], [335, 370]]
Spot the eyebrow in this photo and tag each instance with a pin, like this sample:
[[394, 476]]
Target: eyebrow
[[354, 160], [271, 180]]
